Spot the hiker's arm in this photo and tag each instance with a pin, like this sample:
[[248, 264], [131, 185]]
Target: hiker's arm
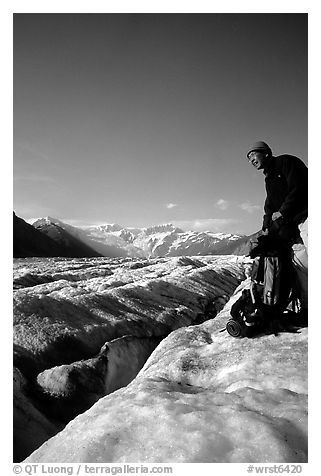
[[267, 215]]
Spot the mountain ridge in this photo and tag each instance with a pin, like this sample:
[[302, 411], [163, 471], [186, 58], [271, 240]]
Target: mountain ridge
[[28, 241], [57, 238], [154, 241]]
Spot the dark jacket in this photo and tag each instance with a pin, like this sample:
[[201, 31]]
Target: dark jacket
[[286, 183]]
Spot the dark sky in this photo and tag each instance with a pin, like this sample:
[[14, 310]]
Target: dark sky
[[146, 118]]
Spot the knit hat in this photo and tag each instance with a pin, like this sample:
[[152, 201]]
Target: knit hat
[[260, 146]]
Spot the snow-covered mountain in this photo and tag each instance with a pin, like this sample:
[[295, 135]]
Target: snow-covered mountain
[[47, 240], [156, 241], [63, 233]]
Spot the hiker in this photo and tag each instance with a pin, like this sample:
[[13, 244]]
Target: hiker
[[286, 207]]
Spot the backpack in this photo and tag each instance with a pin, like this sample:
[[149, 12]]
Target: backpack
[[272, 288]]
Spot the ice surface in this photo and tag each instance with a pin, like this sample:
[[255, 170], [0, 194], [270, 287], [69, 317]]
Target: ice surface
[[85, 327], [201, 397], [65, 310]]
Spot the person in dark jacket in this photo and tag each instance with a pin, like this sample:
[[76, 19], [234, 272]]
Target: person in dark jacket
[[286, 204], [286, 183]]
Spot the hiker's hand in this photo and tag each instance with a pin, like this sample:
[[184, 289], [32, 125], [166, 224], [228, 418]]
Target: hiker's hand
[[276, 216], [264, 232]]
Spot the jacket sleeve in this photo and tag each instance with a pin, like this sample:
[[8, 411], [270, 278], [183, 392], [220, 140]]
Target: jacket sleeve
[[295, 173], [267, 215]]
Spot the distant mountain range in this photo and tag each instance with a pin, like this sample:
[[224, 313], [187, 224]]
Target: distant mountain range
[[52, 237], [28, 241]]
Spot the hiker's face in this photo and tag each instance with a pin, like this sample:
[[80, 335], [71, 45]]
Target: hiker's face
[[258, 159]]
